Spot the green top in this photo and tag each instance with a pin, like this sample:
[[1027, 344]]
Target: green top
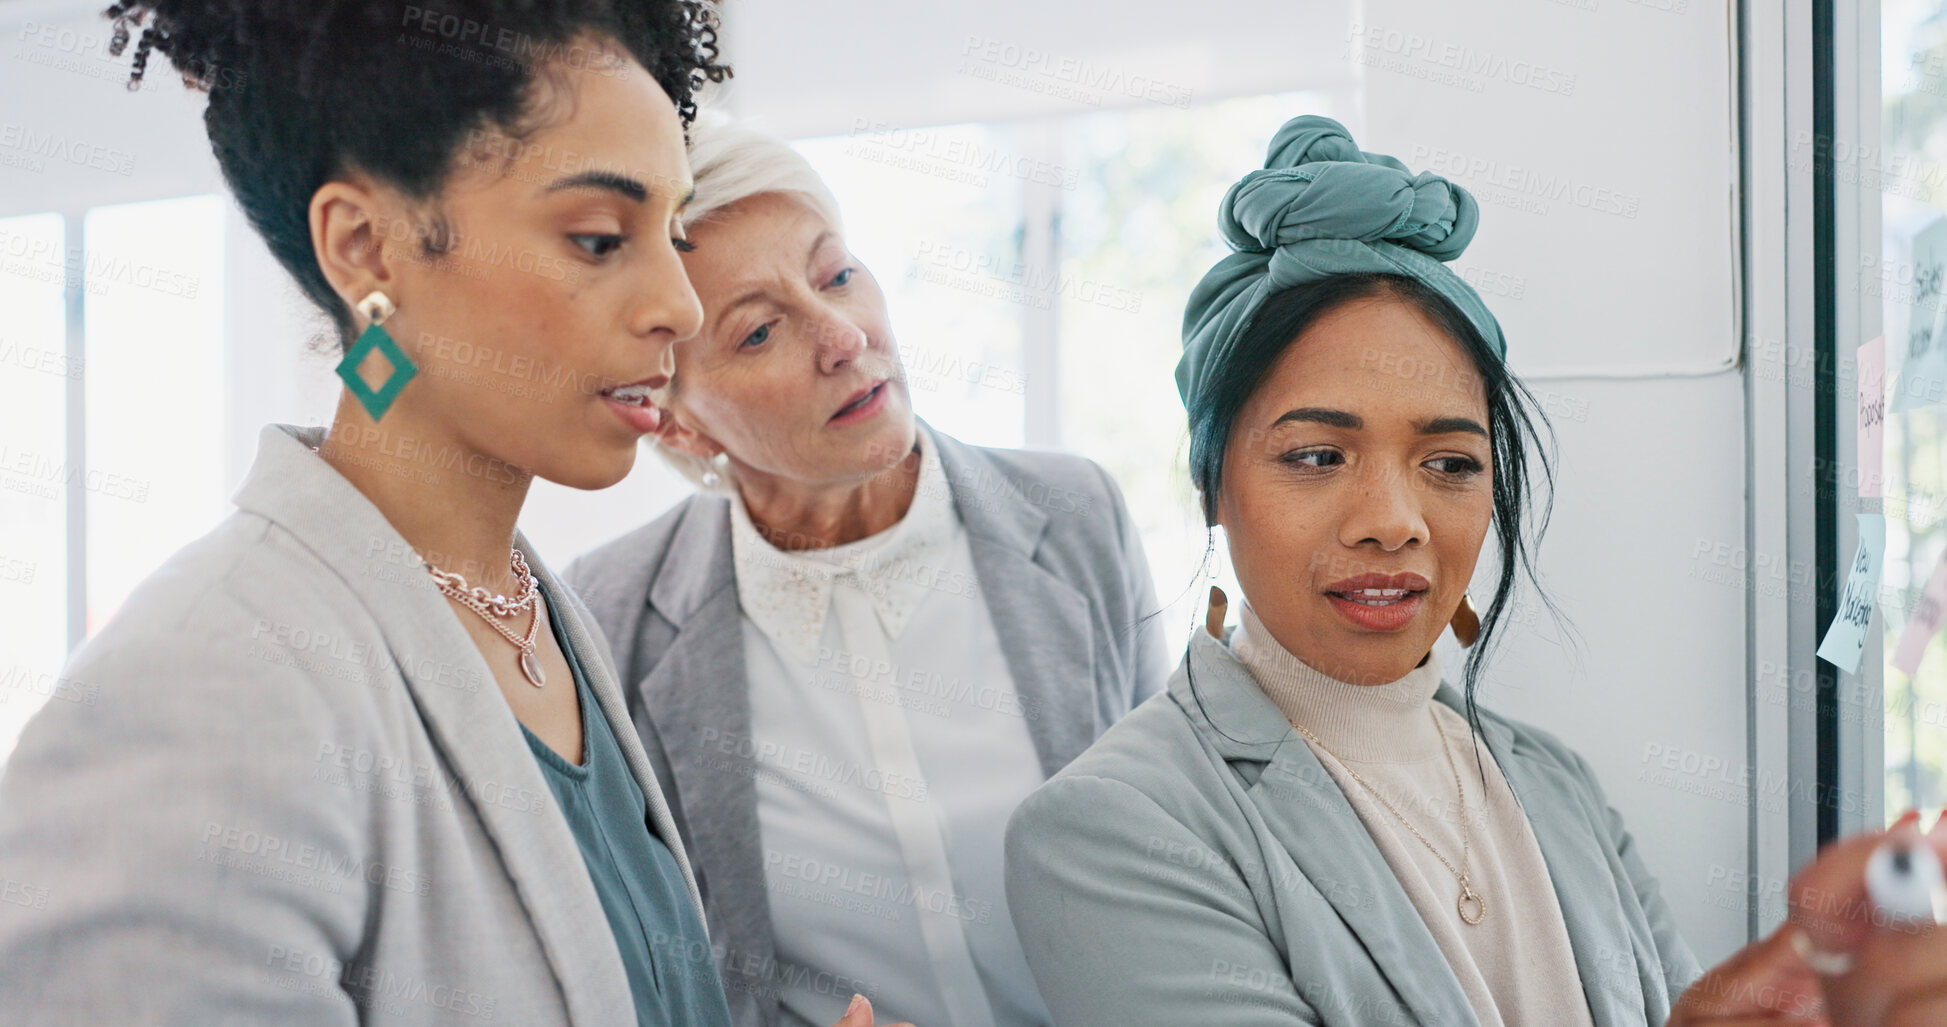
[[672, 973]]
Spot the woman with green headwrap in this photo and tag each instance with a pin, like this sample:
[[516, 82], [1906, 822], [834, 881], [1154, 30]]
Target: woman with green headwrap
[[1310, 825]]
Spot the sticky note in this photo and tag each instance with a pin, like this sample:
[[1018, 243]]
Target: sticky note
[[1923, 373], [1872, 417], [1925, 621], [1846, 638]]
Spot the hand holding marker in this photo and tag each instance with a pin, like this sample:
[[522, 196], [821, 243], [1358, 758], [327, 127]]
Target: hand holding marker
[[1904, 878], [1866, 917]]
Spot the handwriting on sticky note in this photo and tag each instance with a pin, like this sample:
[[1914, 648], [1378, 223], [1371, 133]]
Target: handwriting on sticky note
[[1846, 638], [1872, 417], [1925, 621]]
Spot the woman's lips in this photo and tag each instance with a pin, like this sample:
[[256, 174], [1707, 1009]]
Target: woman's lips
[[1377, 614], [632, 404], [1379, 602], [861, 406]]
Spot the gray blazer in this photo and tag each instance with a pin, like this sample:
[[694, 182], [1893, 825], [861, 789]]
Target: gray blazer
[[1058, 561], [1199, 865], [284, 789]]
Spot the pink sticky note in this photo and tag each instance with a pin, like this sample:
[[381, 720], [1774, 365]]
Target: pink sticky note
[[1925, 621], [1872, 417]]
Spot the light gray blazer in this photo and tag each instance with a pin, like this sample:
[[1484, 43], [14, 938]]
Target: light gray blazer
[[1062, 570], [284, 789], [1199, 865]]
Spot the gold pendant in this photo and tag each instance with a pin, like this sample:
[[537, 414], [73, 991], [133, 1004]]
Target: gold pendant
[[1468, 894], [531, 666]]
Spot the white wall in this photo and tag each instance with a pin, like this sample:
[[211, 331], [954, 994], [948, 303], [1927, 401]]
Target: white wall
[[1621, 111]]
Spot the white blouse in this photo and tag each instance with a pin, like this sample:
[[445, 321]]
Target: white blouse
[[891, 749]]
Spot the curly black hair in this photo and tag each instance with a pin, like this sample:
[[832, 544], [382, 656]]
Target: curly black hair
[[304, 91]]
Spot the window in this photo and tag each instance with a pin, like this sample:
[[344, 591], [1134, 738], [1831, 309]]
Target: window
[[1023, 314], [35, 372], [142, 475], [154, 274], [1904, 281]]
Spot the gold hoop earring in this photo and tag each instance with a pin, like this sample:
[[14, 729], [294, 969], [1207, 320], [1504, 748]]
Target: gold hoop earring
[[1466, 621]]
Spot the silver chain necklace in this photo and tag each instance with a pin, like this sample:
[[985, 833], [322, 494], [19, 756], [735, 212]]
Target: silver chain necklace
[[1467, 893]]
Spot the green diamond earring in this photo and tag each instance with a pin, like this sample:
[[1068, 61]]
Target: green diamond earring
[[376, 307]]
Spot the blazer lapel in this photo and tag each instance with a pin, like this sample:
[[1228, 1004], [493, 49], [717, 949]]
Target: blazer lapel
[[460, 706], [1042, 621], [1304, 809], [1582, 872], [698, 702]]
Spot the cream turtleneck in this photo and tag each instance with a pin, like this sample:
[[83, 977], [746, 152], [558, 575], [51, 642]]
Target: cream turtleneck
[[1515, 966]]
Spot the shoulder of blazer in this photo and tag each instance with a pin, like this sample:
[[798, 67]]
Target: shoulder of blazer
[[1018, 496], [1538, 744], [253, 622], [1153, 749], [674, 564]]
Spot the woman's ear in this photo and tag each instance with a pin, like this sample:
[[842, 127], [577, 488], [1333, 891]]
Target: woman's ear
[[348, 229], [682, 438]]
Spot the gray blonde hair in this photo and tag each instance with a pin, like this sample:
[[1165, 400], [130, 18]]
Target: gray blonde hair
[[732, 162]]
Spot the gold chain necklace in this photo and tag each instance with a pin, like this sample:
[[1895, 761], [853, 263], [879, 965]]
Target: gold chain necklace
[[491, 607], [1467, 893]]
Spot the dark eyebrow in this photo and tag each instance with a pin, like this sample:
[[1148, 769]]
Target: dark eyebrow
[[1450, 425], [687, 197], [608, 180], [1342, 419], [1321, 415]]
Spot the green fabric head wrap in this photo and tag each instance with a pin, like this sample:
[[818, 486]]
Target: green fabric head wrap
[[1322, 207]]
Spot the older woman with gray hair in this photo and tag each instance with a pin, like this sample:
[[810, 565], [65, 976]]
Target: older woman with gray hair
[[862, 642]]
